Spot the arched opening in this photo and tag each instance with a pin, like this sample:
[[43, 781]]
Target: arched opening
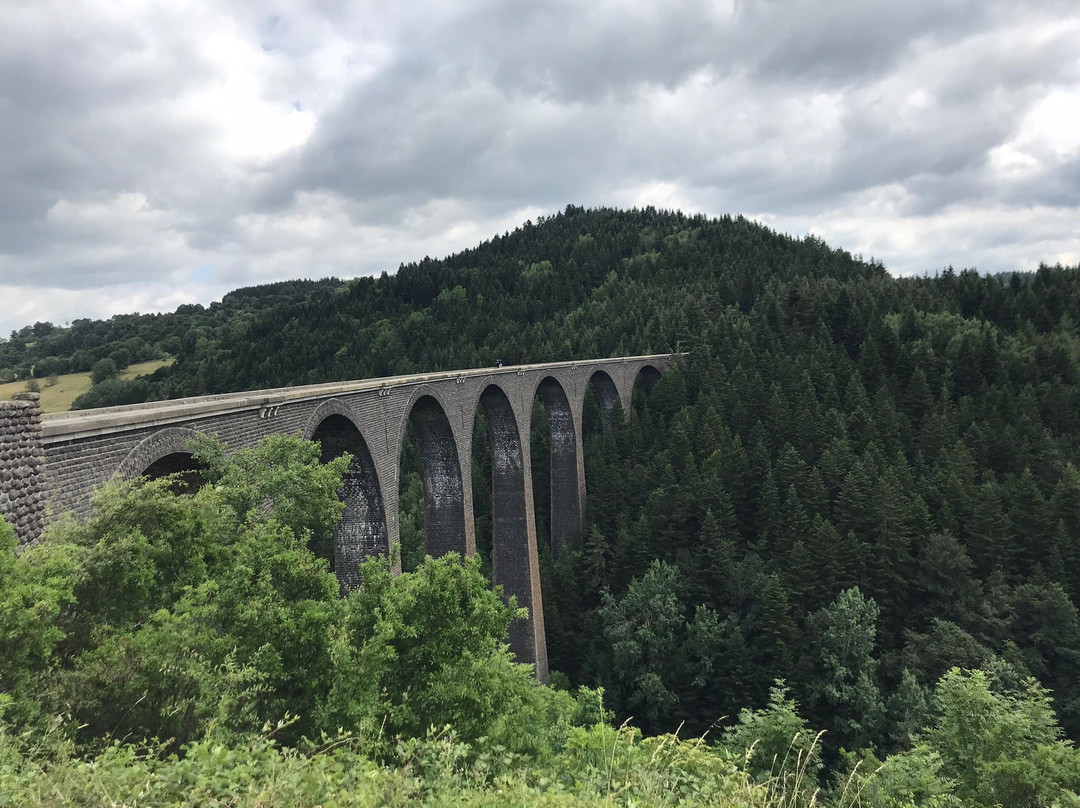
[[186, 470], [410, 503], [602, 412], [558, 494], [563, 507], [481, 468], [644, 383], [361, 532], [607, 397], [440, 472], [604, 433], [514, 565]]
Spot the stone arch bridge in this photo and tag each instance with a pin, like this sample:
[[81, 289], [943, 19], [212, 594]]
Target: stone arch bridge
[[54, 462]]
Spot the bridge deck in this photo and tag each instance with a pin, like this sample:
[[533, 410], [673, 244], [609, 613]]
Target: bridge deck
[[58, 426]]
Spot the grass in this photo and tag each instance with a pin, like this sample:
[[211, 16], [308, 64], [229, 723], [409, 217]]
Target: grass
[[59, 397]]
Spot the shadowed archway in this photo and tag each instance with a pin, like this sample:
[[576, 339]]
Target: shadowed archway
[[189, 471], [567, 492], [440, 469], [645, 381], [361, 531], [607, 396]]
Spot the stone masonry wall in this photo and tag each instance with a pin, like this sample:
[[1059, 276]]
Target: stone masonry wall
[[22, 466]]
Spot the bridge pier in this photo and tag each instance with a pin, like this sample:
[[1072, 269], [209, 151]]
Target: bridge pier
[[515, 561]]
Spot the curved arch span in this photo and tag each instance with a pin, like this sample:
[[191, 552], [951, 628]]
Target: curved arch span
[[332, 406], [153, 450], [567, 492], [361, 532], [607, 395], [440, 469]]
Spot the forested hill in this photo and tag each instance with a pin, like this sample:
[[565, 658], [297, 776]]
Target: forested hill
[[854, 482], [580, 284]]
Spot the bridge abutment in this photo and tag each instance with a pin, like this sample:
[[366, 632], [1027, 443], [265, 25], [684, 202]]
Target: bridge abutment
[[22, 466]]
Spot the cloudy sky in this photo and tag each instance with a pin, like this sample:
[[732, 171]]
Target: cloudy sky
[[161, 153]]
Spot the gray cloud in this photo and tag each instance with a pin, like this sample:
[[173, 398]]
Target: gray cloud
[[156, 155]]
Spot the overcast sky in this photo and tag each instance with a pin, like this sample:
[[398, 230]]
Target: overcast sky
[[156, 154]]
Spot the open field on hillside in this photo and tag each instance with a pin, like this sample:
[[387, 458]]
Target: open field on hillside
[[58, 397]]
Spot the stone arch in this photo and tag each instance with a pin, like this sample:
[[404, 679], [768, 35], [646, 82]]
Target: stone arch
[[163, 444], [566, 483], [331, 406], [607, 395], [515, 565], [445, 528], [362, 530]]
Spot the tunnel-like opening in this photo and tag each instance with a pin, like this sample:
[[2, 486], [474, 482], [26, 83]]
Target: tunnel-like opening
[[361, 532], [644, 383], [606, 396], [562, 511], [513, 566], [187, 472], [604, 434], [440, 474]]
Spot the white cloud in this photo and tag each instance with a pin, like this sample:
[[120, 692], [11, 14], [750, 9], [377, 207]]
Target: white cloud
[[162, 152]]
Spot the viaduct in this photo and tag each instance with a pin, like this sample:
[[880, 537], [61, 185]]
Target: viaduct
[[52, 463]]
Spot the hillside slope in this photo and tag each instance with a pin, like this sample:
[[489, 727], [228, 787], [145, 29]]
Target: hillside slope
[[854, 483]]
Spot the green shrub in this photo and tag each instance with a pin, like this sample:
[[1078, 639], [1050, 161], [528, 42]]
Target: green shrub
[[427, 649], [34, 587]]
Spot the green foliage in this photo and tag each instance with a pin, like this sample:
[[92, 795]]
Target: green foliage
[[910, 780], [843, 684], [645, 630], [1002, 747], [599, 767], [103, 369], [34, 587], [991, 744], [427, 649], [779, 747], [281, 479], [112, 392], [192, 610]]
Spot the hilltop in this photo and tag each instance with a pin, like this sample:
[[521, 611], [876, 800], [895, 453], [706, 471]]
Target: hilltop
[[581, 283]]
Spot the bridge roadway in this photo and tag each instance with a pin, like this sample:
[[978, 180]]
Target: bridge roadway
[[54, 462]]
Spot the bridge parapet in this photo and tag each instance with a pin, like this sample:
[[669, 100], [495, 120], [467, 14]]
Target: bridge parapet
[[104, 420]]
